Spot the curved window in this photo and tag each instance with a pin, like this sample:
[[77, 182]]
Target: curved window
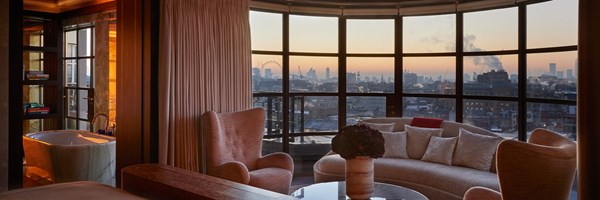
[[330, 72]]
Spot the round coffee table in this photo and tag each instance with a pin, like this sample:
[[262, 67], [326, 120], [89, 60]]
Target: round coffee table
[[337, 190]]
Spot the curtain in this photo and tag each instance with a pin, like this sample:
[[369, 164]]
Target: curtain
[[204, 65]]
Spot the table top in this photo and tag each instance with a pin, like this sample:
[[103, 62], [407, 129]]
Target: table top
[[337, 190]]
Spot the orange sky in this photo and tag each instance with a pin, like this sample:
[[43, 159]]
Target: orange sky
[[552, 23]]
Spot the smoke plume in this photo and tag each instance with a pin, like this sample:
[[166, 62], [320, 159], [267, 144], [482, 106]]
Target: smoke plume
[[491, 62]]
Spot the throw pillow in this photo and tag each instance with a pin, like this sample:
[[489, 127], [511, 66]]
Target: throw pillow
[[475, 150], [418, 139], [426, 122], [387, 127], [395, 144], [440, 150]]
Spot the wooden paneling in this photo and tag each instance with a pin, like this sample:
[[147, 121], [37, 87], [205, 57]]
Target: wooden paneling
[[155, 181], [588, 136], [4, 51], [136, 73]]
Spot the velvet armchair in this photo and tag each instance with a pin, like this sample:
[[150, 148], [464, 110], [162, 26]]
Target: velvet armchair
[[542, 168], [233, 151]]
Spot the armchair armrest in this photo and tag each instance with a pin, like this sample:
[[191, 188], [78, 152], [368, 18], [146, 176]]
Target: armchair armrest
[[233, 171], [481, 193], [278, 159]]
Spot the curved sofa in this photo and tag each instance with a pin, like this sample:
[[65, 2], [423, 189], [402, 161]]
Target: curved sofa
[[436, 181]]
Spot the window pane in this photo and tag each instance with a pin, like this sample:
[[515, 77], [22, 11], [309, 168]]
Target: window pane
[[71, 44], [423, 34], [500, 117], [84, 42], [434, 75], [266, 31], [83, 105], [71, 73], [313, 114], [274, 113], [370, 75], [359, 108], [491, 75], [552, 23], [85, 72], [313, 74], [552, 75], [70, 124], [554, 117], [306, 150], [442, 108], [267, 73], [491, 30], [370, 36], [71, 103], [313, 34]]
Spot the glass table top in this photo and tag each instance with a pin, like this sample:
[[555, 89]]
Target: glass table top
[[337, 190]]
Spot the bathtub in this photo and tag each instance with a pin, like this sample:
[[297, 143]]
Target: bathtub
[[69, 155]]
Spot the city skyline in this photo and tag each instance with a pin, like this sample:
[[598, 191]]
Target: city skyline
[[483, 31]]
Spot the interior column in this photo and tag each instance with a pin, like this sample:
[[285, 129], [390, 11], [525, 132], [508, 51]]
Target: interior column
[[588, 100]]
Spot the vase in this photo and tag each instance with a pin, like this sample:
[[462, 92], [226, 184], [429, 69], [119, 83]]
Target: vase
[[359, 177]]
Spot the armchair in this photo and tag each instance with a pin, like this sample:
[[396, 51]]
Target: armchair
[[542, 168], [233, 151]]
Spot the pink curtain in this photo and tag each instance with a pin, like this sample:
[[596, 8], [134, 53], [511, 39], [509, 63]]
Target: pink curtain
[[204, 64]]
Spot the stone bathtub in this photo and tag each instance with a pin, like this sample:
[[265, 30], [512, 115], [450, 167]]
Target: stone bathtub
[[69, 155]]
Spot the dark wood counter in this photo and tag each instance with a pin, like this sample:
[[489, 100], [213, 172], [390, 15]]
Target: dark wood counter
[[156, 181]]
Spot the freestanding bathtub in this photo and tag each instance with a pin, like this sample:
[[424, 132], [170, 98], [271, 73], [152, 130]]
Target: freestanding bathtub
[[69, 155]]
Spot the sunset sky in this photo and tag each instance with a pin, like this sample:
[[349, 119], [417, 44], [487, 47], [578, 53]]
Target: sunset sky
[[549, 24]]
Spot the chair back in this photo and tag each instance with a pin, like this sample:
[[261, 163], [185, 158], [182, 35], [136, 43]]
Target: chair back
[[542, 168], [234, 136]]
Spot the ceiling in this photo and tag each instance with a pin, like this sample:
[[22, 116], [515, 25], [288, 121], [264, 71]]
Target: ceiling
[[59, 6], [382, 7]]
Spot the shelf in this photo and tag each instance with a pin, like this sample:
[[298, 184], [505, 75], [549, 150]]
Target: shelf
[[40, 82], [41, 49], [40, 116]]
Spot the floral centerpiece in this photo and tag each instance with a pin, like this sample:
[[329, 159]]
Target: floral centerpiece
[[359, 145], [358, 140]]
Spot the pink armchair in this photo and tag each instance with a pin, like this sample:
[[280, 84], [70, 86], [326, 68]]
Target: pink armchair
[[543, 168], [233, 151]]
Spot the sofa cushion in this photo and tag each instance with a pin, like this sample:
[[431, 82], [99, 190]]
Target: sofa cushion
[[418, 139], [387, 127], [475, 150], [453, 179], [395, 144], [440, 150], [426, 122]]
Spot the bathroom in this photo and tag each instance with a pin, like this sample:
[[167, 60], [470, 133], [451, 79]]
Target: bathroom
[[69, 83]]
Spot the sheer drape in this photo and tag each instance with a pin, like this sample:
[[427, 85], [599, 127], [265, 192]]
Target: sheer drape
[[204, 64]]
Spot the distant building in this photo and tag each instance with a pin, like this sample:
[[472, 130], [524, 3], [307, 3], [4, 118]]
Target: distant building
[[514, 78], [268, 74], [351, 78], [570, 74], [410, 78], [467, 77], [552, 69], [327, 74], [256, 71], [560, 74]]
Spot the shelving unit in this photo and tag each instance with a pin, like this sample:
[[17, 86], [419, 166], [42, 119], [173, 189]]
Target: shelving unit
[[42, 54]]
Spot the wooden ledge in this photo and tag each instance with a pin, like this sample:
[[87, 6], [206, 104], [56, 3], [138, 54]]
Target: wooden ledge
[[155, 181]]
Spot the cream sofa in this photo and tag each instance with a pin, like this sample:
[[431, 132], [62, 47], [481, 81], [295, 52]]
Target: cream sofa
[[436, 181]]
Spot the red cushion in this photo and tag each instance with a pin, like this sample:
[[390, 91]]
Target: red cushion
[[427, 122]]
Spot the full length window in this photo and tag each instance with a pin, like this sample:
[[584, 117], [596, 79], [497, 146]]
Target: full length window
[[504, 70], [78, 77]]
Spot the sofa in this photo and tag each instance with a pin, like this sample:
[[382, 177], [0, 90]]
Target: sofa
[[434, 180]]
